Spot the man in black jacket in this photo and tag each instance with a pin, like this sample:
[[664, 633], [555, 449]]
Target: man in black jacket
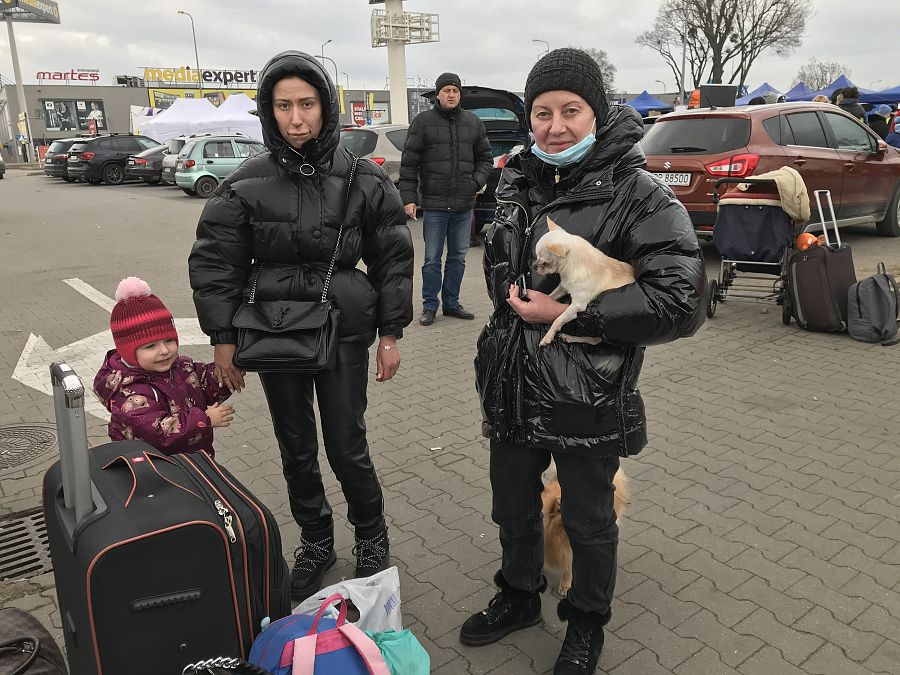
[[447, 160]]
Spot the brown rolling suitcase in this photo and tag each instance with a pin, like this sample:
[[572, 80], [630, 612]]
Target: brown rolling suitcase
[[819, 278]]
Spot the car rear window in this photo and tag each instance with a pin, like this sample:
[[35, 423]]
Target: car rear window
[[175, 146], [696, 136], [186, 150], [78, 147], [58, 146], [359, 142], [397, 138], [494, 114]]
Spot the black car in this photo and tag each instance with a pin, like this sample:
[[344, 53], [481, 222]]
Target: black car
[[56, 160], [503, 115], [146, 165], [102, 158]]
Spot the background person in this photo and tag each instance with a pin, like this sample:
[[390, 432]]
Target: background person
[[277, 216], [447, 159]]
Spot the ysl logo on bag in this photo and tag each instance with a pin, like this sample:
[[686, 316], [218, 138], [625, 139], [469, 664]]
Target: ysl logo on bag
[[276, 322]]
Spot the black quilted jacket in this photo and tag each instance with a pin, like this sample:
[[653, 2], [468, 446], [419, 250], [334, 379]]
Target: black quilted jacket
[[268, 212], [583, 398], [446, 160]]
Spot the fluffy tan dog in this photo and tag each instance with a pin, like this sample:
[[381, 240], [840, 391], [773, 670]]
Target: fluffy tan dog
[[584, 273], [557, 549]]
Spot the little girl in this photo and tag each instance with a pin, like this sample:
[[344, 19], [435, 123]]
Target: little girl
[[152, 393]]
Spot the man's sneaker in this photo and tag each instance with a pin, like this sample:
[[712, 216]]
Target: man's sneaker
[[584, 640], [312, 559], [372, 552], [458, 313], [510, 610], [427, 317]]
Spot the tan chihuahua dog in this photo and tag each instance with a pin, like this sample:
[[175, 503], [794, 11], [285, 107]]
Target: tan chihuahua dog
[[584, 273]]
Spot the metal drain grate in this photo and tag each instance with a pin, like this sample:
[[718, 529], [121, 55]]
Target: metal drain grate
[[23, 443], [24, 549]]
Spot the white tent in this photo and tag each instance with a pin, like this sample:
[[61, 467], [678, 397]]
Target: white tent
[[177, 120], [232, 116]]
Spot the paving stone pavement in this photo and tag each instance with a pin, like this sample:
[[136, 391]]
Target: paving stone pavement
[[763, 536]]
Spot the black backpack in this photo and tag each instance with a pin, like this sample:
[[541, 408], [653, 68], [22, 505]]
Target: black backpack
[[873, 308]]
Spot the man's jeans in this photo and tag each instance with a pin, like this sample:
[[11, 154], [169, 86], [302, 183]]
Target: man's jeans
[[454, 227]]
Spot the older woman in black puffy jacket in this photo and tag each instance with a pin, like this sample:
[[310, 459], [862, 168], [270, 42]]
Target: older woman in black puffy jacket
[[277, 216], [578, 403]]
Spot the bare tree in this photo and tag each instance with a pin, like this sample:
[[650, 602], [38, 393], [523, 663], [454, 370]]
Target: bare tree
[[607, 69], [721, 32], [819, 74]]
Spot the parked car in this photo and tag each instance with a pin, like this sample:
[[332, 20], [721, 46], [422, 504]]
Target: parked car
[[205, 161], [503, 115], [146, 165], [175, 146], [689, 150], [56, 160], [102, 158], [382, 144]]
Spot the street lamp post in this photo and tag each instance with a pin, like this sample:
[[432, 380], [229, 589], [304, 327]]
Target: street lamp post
[[322, 49], [346, 81], [545, 43], [196, 57], [663, 86]]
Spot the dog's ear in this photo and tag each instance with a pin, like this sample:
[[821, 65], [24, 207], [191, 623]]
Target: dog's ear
[[551, 225], [557, 249]]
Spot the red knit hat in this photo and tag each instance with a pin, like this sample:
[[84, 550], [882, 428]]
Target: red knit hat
[[138, 318]]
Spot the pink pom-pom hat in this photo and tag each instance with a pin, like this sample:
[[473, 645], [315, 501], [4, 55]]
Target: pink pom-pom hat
[[138, 318]]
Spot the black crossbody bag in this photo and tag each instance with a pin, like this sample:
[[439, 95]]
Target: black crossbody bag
[[290, 336]]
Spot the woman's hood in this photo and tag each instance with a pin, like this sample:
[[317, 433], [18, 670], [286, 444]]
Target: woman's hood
[[304, 66]]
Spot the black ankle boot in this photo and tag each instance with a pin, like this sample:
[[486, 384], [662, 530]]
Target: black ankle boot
[[372, 551], [584, 640], [312, 558], [510, 610]]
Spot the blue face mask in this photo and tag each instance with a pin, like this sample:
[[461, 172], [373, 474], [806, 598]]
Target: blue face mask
[[569, 156]]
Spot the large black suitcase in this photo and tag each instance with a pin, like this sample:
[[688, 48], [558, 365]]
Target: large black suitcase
[[818, 279], [159, 561]]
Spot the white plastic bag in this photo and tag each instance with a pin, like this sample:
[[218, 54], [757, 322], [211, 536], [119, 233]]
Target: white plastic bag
[[376, 597]]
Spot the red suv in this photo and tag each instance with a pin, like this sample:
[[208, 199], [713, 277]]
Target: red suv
[[832, 150]]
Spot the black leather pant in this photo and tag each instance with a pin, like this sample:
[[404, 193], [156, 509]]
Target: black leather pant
[[587, 513], [341, 396]]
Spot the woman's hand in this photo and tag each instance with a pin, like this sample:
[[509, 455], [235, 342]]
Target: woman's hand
[[226, 373], [539, 308], [387, 358]]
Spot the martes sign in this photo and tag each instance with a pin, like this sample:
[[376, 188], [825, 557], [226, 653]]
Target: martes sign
[[187, 75], [74, 75]]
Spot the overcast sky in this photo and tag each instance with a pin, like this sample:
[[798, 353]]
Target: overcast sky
[[488, 42]]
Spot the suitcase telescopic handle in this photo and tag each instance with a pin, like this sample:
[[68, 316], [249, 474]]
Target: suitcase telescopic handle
[[68, 404], [837, 234]]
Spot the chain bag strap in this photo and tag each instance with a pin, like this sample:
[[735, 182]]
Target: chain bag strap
[[291, 335]]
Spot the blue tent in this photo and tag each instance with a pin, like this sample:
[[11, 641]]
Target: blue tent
[[764, 88], [891, 96], [799, 92], [645, 102], [839, 83]]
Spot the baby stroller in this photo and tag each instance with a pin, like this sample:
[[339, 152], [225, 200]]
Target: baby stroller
[[755, 237]]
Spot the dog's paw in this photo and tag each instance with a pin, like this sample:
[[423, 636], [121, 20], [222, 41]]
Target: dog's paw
[[563, 589], [546, 340]]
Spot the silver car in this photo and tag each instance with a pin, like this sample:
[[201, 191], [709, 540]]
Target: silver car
[[382, 144]]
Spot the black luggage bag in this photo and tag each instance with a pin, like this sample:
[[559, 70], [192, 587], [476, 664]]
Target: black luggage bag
[[26, 648], [818, 279], [158, 560]]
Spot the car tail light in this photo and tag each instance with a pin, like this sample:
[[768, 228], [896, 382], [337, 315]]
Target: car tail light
[[140, 161], [87, 156], [189, 164], [737, 166], [378, 160], [60, 156]]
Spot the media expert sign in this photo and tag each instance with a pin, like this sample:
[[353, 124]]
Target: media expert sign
[[185, 74], [40, 10]]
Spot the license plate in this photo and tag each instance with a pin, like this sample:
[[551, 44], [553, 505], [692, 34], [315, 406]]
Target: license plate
[[130, 162], [674, 178]]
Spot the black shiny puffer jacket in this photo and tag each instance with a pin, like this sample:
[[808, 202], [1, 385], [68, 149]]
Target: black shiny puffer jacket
[[583, 398], [446, 160], [267, 212]]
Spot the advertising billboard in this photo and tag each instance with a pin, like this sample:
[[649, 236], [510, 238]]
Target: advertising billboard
[[74, 115], [163, 98]]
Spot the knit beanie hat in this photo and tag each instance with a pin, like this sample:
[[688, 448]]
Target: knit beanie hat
[[447, 78], [138, 318], [569, 70]]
